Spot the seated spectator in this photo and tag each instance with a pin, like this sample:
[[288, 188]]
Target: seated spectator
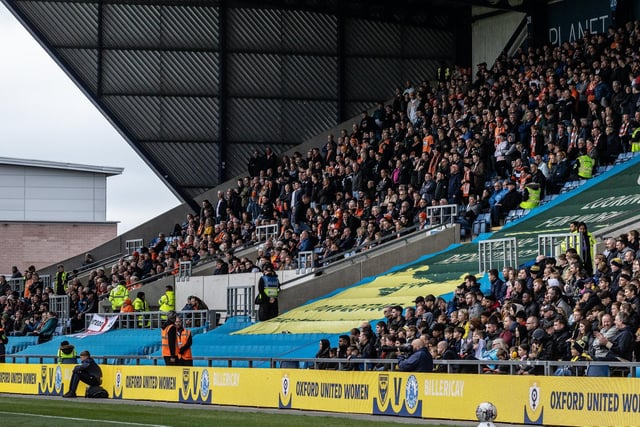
[[47, 327]]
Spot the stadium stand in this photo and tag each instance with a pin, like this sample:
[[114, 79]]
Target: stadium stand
[[575, 118]]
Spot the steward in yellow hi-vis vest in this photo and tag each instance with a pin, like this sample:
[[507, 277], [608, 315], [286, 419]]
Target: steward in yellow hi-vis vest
[[531, 196], [635, 140], [585, 166], [268, 290], [67, 353], [167, 301]]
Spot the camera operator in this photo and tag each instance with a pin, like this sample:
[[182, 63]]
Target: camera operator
[[419, 361]]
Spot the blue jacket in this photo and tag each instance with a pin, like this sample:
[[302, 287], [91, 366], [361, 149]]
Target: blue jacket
[[497, 196], [420, 361]]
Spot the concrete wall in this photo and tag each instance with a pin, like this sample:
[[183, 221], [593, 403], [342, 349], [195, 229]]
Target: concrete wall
[[40, 244]]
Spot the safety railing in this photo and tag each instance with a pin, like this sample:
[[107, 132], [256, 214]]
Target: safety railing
[[306, 262], [241, 301], [442, 214], [153, 319], [133, 245], [404, 233], [103, 263], [59, 304], [184, 271], [266, 232], [499, 367], [553, 245], [17, 285], [497, 253]]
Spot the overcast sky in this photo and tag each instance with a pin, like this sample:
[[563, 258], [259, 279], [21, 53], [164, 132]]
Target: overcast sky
[[44, 116]]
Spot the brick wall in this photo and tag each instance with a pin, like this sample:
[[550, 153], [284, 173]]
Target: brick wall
[[43, 244]]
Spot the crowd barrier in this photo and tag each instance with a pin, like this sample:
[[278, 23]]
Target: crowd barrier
[[540, 400]]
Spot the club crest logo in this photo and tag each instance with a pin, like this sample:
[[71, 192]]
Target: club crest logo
[[285, 385], [383, 388], [534, 397], [411, 392], [117, 385], [284, 399], [534, 407], [204, 386]]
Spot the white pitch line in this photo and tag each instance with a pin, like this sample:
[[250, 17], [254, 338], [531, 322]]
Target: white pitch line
[[83, 419]]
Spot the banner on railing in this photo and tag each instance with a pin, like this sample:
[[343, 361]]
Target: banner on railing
[[99, 325]]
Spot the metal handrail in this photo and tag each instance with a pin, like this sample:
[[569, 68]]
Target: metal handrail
[[153, 319], [102, 263], [546, 368]]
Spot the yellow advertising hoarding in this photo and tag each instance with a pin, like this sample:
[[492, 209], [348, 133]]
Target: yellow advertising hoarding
[[535, 400]]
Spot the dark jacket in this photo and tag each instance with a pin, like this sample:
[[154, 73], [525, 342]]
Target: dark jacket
[[511, 200], [420, 361], [561, 344], [622, 345], [89, 366]]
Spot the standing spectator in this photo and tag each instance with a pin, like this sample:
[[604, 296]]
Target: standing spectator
[[498, 287], [268, 290], [66, 353], [454, 193], [299, 217], [5, 287], [586, 243], [140, 305], [255, 164], [60, 281], [118, 295], [15, 273], [167, 301]]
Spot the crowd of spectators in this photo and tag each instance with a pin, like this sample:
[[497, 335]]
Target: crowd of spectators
[[531, 118], [555, 309], [543, 116], [476, 140], [28, 313]]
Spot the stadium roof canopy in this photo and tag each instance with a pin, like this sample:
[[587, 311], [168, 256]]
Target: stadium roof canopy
[[194, 85]]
